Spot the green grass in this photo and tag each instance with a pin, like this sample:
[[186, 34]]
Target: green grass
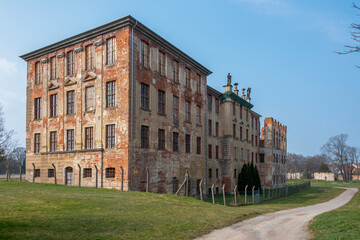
[[45, 211], [343, 223]]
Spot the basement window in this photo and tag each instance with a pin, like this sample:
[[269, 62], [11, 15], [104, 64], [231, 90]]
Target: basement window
[[51, 173], [87, 173], [110, 173], [37, 173]]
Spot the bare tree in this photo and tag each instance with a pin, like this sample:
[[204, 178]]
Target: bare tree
[[17, 156], [353, 156]]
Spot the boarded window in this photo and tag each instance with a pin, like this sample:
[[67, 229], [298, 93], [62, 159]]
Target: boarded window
[[161, 102], [111, 50], [176, 71], [53, 68], [70, 139], [175, 142], [144, 54], [87, 173], [144, 136], [89, 57], [162, 63], [37, 108], [70, 102], [144, 103], [89, 138], [36, 142], [161, 139], [90, 98], [110, 136], [37, 72], [53, 105], [198, 83], [70, 58], [175, 110], [110, 173], [53, 141], [187, 77], [110, 94]]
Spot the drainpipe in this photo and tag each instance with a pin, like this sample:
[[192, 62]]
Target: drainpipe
[[33, 173], [132, 105], [122, 178], [102, 168], [102, 115], [79, 175], [54, 173], [96, 178]]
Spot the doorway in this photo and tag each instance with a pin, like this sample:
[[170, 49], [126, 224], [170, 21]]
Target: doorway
[[69, 176]]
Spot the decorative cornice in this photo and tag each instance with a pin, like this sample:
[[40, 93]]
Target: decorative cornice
[[89, 76], [60, 55], [99, 42], [127, 21], [70, 81], [44, 60], [78, 49], [53, 85]]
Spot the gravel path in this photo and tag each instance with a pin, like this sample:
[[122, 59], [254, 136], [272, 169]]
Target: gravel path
[[286, 224]]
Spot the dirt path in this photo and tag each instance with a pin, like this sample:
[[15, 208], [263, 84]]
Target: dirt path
[[286, 224]]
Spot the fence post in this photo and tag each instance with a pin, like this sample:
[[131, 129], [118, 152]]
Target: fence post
[[200, 188], [246, 193], [264, 193], [253, 194], [122, 178], [79, 175], [96, 176], [147, 180], [235, 193], [223, 188], [212, 193], [187, 184], [54, 173], [20, 166], [33, 172]]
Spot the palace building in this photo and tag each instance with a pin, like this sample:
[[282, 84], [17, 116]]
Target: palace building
[[120, 107]]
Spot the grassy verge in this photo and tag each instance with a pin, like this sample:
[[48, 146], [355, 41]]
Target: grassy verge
[[44, 211], [343, 223]]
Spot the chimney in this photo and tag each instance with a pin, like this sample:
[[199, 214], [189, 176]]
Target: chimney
[[236, 91], [243, 93], [228, 86]]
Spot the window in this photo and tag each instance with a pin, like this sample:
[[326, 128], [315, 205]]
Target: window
[[209, 103], [144, 54], [37, 173], [110, 94], [90, 98], [210, 151], [175, 110], [70, 59], [234, 109], [234, 152], [37, 73], [256, 141], [234, 130], [198, 145], [162, 63], [70, 102], [175, 142], [144, 104], [53, 105], [210, 128], [53, 141], [187, 78], [70, 139], [248, 154], [217, 173], [210, 173], [247, 135], [256, 157], [53, 68], [198, 83], [242, 154], [110, 136], [144, 136], [252, 156], [37, 108], [235, 173], [217, 106], [161, 139], [252, 122], [240, 112], [198, 115], [176, 71], [217, 129], [187, 143], [187, 111], [51, 173], [36, 142], [217, 152], [247, 115], [111, 51], [175, 183], [89, 137], [89, 57], [161, 102], [87, 172], [110, 173], [241, 133]]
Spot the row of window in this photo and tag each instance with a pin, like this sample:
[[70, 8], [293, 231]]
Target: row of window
[[210, 104], [253, 157], [145, 105], [210, 173], [87, 173], [255, 124], [145, 60], [110, 96], [70, 139], [70, 57]]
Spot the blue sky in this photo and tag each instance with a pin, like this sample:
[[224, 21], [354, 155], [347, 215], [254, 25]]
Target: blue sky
[[282, 49]]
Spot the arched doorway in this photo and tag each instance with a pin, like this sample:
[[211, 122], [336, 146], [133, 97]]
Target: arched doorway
[[69, 176]]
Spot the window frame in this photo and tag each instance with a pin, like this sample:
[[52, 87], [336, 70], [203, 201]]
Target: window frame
[[144, 96], [89, 58], [110, 172], [161, 102], [175, 141], [53, 105], [161, 139], [70, 63], [89, 138], [70, 102], [111, 51], [87, 172], [144, 133], [187, 143], [110, 136], [144, 55], [37, 142], [90, 98], [110, 94], [53, 141], [70, 139], [161, 63], [37, 108]]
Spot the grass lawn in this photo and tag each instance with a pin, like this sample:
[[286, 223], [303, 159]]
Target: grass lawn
[[343, 223], [45, 211]]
